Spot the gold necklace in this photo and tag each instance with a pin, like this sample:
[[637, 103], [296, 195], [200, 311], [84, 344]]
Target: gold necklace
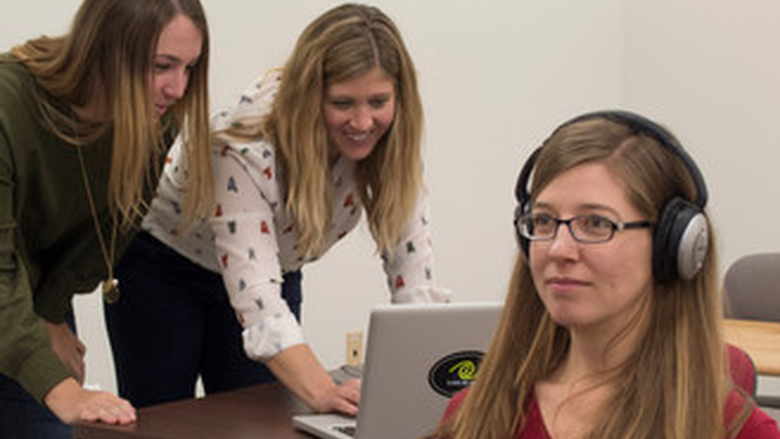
[[110, 286]]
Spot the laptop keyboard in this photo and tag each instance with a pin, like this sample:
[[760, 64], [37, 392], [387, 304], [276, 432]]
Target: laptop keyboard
[[349, 430]]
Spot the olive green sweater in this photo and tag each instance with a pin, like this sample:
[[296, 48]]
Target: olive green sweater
[[48, 246]]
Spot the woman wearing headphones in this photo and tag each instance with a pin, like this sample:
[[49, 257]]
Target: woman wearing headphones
[[85, 122], [612, 323], [299, 158]]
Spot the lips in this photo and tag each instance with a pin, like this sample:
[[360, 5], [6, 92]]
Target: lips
[[561, 284], [560, 280], [358, 137], [359, 143]]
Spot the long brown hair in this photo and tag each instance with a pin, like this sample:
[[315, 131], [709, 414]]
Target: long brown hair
[[674, 384], [345, 43], [110, 50]]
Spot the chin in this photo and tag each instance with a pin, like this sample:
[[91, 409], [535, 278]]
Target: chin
[[360, 157], [569, 319], [358, 154]]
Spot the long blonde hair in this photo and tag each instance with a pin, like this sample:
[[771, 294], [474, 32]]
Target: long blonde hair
[[110, 50], [345, 43], [674, 384]]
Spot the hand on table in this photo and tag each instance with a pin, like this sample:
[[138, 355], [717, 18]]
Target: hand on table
[[72, 403], [300, 371]]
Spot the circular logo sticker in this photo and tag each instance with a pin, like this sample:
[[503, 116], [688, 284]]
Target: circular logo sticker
[[454, 372]]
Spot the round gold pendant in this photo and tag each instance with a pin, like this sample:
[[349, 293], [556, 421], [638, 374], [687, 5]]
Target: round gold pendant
[[111, 290]]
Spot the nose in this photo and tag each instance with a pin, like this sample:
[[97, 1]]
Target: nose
[[563, 244], [362, 119], [177, 85]]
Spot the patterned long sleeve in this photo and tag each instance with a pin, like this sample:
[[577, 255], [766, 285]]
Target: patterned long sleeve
[[245, 226], [410, 271]]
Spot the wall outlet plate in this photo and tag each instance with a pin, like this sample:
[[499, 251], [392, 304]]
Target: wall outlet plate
[[354, 354]]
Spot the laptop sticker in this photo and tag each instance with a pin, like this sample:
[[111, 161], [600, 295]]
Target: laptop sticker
[[454, 372]]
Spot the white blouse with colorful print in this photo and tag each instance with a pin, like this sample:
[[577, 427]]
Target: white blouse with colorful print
[[251, 238]]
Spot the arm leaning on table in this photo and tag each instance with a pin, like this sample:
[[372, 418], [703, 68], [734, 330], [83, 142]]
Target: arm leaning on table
[[246, 229]]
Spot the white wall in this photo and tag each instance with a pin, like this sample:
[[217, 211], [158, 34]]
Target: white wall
[[710, 69], [496, 77]]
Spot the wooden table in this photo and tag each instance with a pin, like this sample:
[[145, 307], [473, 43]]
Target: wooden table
[[759, 339], [253, 413]]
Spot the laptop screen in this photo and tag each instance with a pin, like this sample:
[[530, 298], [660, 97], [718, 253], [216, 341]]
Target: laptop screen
[[417, 357]]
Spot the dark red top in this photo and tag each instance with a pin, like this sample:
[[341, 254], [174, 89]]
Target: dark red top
[[758, 426]]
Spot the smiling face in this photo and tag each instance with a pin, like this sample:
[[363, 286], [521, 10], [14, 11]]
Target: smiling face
[[358, 113], [178, 49], [591, 285]]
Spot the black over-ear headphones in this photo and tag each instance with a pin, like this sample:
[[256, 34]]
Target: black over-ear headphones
[[680, 238]]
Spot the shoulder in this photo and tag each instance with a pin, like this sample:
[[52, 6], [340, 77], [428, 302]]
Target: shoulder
[[21, 125], [16, 84], [253, 104], [758, 425], [262, 91], [13, 71], [455, 404]]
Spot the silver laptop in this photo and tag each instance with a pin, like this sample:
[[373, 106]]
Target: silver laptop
[[417, 357]]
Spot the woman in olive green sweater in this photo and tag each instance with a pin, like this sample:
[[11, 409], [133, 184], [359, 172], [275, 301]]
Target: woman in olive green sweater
[[85, 122]]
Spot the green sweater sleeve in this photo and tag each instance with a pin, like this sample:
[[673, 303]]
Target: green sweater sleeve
[[26, 354]]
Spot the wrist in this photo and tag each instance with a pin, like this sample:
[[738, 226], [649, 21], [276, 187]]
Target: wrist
[[61, 399], [316, 391], [298, 369]]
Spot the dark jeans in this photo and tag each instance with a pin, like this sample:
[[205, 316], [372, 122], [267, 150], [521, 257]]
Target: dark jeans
[[173, 323], [22, 417]]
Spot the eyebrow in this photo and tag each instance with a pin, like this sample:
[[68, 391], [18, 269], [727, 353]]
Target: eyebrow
[[175, 59], [383, 95], [586, 206]]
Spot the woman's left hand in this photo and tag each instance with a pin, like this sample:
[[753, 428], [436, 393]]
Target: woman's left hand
[[72, 403]]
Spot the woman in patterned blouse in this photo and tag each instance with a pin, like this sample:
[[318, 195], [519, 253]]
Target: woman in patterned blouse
[[309, 147]]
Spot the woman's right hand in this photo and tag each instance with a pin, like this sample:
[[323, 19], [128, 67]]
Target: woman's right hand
[[300, 371], [72, 403], [342, 398]]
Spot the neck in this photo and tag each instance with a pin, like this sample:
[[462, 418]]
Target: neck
[[598, 350], [333, 155]]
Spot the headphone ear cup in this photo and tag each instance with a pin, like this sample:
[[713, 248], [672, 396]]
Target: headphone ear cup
[[524, 200], [522, 241], [680, 241]]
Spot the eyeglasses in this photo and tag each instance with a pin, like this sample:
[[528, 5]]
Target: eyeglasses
[[584, 228]]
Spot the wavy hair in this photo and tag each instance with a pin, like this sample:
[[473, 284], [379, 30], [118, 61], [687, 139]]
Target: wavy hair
[[108, 54], [342, 44], [674, 384]]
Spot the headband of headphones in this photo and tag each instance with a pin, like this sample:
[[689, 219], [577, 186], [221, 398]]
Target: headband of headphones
[[640, 125], [680, 237]]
